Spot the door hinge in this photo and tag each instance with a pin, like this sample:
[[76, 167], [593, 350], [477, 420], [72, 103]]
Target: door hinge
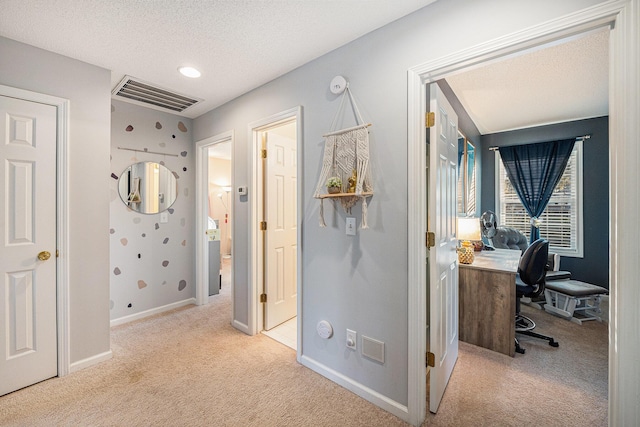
[[263, 225], [263, 297], [264, 153], [430, 119], [431, 239], [431, 359]]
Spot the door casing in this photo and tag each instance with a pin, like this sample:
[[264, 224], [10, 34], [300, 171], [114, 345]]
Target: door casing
[[255, 323], [615, 14], [62, 217]]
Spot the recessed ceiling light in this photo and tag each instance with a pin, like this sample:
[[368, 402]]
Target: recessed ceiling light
[[189, 72]]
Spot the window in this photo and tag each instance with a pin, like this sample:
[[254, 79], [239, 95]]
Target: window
[[561, 221]]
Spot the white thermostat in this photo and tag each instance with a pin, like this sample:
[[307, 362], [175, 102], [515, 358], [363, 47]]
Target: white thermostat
[[324, 328], [242, 191]]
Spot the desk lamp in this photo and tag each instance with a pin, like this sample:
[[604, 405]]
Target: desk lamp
[[468, 229]]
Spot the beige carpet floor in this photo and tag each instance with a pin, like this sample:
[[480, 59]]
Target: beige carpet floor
[[189, 367]]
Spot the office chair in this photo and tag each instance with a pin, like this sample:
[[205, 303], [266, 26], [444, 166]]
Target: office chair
[[530, 283]]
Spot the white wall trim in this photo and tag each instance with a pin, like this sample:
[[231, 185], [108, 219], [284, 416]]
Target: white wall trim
[[255, 167], [588, 19], [361, 390], [202, 213], [62, 217], [90, 361], [156, 310]]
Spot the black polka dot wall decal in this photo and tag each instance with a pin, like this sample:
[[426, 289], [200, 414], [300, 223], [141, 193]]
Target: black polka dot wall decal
[[129, 128], [162, 162], [165, 241], [141, 284], [183, 153], [165, 263], [112, 231], [171, 210], [129, 305], [184, 169], [182, 285], [164, 282], [116, 271], [145, 149], [144, 234], [158, 125], [114, 176], [182, 127], [156, 226], [173, 136], [124, 241], [175, 174]]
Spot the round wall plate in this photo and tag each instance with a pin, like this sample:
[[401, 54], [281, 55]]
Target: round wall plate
[[338, 84], [324, 328]]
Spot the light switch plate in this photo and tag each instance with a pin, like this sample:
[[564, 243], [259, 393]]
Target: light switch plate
[[351, 226]]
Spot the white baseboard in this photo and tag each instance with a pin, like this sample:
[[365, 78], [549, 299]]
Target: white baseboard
[[151, 312], [90, 361], [389, 405], [241, 326]]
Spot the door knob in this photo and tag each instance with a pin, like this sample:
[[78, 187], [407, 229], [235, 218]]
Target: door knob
[[44, 255]]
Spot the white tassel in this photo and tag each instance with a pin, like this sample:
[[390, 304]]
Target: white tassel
[[322, 224], [364, 214]]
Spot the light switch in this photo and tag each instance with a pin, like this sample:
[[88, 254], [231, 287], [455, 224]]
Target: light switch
[[351, 226]]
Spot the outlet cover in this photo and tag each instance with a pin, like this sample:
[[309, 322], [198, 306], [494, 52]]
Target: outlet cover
[[351, 226]]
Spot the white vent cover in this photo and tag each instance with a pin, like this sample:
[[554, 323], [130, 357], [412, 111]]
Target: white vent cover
[[143, 93]]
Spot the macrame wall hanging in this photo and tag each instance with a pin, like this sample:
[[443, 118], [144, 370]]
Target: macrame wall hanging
[[345, 174]]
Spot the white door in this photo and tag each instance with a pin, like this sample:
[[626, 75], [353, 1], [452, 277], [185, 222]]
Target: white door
[[28, 347], [280, 200], [443, 272]]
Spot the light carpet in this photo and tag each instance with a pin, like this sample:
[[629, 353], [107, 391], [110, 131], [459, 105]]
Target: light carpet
[[190, 367]]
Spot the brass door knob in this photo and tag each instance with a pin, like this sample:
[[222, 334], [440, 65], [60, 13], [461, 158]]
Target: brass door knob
[[44, 255]]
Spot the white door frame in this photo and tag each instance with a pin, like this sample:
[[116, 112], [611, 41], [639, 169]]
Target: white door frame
[[202, 214], [62, 216], [255, 319], [624, 110]]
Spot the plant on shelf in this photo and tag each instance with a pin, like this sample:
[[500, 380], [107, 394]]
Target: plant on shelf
[[334, 185]]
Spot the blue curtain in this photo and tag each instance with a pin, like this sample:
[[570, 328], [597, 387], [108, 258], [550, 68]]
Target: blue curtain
[[534, 171]]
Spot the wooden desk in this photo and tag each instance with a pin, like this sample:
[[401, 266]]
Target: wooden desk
[[487, 300]]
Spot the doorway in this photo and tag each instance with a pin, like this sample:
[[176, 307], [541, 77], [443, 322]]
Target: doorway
[[23, 300], [427, 73], [214, 213], [276, 226]]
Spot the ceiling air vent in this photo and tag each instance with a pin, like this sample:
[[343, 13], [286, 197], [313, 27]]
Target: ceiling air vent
[[143, 93]]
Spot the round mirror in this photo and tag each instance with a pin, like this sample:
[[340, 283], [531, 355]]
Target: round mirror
[[148, 187]]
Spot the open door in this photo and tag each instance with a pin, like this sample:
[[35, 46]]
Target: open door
[[443, 265]]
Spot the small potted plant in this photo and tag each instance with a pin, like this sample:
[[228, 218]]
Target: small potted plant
[[334, 185]]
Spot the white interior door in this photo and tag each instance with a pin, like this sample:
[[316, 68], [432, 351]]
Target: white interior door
[[280, 201], [28, 346], [443, 275]]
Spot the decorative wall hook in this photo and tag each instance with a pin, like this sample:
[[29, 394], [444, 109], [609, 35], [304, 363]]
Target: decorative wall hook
[[338, 85]]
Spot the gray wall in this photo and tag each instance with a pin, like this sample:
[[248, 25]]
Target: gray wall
[[88, 89], [594, 266], [361, 282], [152, 263]]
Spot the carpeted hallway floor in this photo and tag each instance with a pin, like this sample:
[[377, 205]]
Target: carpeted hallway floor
[[189, 367]]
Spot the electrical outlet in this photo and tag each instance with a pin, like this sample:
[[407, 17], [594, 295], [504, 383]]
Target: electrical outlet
[[352, 339], [351, 226]]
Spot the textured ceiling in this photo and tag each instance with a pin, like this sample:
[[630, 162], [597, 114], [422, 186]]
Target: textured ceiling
[[562, 82], [237, 45]]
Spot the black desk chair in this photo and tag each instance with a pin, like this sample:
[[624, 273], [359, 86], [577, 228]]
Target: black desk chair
[[530, 283]]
